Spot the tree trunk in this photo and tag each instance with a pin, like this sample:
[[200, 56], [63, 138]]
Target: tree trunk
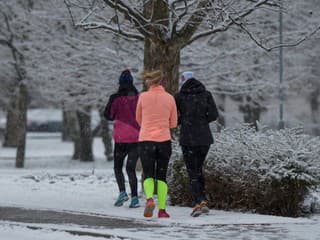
[[221, 103], [67, 126], [84, 119], [74, 133], [164, 56], [76, 147], [22, 100], [106, 137], [11, 131], [315, 111], [251, 110]]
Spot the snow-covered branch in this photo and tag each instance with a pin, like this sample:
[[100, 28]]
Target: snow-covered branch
[[228, 21], [116, 30], [285, 45]]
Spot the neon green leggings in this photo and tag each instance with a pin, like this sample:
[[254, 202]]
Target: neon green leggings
[[148, 185]]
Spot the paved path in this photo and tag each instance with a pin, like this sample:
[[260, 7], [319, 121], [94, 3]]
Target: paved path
[[117, 228], [52, 217], [96, 221]]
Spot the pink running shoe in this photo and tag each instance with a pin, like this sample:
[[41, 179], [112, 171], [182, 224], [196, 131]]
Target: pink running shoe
[[163, 214]]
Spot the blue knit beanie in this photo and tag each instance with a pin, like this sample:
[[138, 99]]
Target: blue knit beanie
[[126, 77]]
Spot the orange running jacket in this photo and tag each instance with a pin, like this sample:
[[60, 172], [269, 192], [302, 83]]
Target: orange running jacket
[[156, 113]]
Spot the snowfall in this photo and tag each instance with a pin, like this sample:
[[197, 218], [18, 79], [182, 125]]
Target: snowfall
[[52, 181]]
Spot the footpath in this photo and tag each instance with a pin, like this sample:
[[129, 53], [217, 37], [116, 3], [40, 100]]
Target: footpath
[[30, 218]]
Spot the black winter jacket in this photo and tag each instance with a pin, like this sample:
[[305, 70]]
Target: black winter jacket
[[196, 109]]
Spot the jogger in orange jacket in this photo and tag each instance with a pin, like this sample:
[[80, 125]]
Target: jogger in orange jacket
[[156, 113]]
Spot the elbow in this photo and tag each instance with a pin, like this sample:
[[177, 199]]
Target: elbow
[[138, 121], [173, 125]]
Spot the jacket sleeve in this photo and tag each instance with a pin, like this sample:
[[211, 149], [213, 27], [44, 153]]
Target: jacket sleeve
[[139, 111], [109, 111], [212, 112], [173, 115], [177, 100]]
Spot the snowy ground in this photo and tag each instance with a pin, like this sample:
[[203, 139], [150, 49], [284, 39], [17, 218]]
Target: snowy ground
[[52, 181]]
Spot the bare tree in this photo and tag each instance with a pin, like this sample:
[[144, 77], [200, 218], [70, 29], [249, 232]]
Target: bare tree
[[166, 27], [19, 97], [59, 65]]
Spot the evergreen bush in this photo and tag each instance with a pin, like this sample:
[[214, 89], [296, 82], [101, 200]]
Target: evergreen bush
[[267, 171]]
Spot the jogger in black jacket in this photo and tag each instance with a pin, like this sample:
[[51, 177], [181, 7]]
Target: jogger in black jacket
[[196, 109]]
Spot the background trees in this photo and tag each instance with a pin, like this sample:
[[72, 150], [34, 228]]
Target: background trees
[[68, 67], [237, 68], [71, 69], [166, 27]]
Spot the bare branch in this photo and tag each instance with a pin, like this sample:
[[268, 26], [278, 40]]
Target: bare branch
[[286, 45], [194, 21], [18, 57], [4, 41], [88, 15], [97, 25], [270, 4], [126, 9], [6, 19], [66, 2], [184, 13], [135, 15], [227, 23]]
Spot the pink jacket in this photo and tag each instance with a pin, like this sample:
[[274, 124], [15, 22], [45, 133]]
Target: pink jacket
[[122, 109]]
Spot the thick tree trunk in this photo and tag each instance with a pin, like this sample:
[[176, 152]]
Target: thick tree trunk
[[315, 110], [67, 125], [164, 56], [22, 100], [106, 137], [159, 53], [11, 131], [84, 119]]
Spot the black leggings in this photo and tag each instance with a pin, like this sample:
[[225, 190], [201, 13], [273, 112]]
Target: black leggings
[[121, 150], [194, 157], [155, 158]]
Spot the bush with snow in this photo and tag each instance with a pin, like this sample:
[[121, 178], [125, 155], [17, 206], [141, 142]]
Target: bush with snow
[[267, 171]]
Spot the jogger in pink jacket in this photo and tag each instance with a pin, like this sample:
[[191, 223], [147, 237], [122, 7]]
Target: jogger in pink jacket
[[121, 108]]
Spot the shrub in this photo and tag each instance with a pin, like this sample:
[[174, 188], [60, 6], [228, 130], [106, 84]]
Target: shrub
[[266, 172]]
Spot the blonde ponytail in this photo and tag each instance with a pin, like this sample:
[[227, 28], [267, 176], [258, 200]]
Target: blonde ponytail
[[152, 78]]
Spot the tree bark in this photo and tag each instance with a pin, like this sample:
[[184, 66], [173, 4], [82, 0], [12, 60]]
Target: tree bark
[[11, 131], [106, 137], [221, 104], [67, 125], [74, 134], [22, 124], [84, 119], [251, 112], [76, 147], [160, 53], [315, 110], [164, 56]]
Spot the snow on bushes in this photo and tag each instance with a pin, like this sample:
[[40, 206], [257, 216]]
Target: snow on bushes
[[267, 172]]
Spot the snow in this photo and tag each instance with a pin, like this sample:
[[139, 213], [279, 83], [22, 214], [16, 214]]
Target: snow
[[9, 231], [52, 181]]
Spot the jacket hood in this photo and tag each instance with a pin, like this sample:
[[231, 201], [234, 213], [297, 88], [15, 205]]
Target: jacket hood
[[127, 90], [193, 86]]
